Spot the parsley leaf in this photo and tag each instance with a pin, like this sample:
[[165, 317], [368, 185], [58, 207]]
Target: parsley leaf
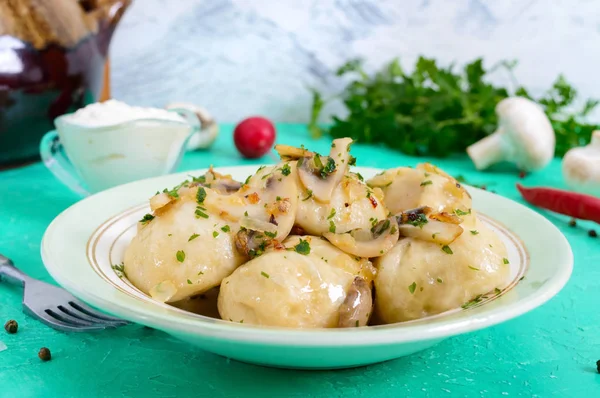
[[286, 169], [303, 247], [180, 255], [264, 274], [192, 237], [446, 249], [225, 228], [146, 219], [201, 195], [412, 287]]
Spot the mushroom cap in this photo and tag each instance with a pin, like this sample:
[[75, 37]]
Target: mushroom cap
[[581, 167], [529, 138]]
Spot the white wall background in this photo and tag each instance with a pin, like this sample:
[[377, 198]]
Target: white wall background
[[243, 57]]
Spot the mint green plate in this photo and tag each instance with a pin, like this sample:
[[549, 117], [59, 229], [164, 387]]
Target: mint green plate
[[80, 245]]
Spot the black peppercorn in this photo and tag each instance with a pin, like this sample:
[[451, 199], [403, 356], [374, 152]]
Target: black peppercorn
[[11, 326], [572, 223], [44, 354], [592, 233]]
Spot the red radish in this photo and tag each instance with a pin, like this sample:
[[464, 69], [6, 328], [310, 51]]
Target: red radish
[[254, 136]]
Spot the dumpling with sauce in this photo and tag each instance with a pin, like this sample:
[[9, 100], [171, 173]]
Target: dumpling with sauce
[[418, 278], [305, 283], [188, 245]]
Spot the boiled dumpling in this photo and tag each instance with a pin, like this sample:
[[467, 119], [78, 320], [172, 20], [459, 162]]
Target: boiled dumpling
[[418, 278], [189, 245], [308, 283]]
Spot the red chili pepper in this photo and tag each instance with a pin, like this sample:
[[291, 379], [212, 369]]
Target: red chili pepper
[[576, 205]]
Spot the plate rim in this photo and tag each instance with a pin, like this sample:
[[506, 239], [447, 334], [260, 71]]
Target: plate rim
[[244, 333]]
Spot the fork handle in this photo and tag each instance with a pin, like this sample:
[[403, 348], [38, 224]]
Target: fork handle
[[12, 274]]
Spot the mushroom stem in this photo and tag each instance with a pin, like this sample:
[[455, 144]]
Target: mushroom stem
[[488, 151]]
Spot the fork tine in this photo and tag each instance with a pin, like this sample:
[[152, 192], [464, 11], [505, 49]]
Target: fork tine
[[85, 317], [59, 325], [81, 307], [66, 318]]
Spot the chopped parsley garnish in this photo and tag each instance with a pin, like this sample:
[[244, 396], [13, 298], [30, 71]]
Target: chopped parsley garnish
[[180, 255], [459, 212], [331, 214], [360, 177], [331, 227], [446, 249], [201, 195], [328, 168], [505, 260], [426, 182], [417, 220], [412, 287], [192, 237], [246, 213], [439, 280], [200, 273], [473, 268], [146, 219], [278, 198], [380, 227], [248, 179], [286, 170], [189, 282], [303, 247], [225, 228], [393, 230], [318, 163], [309, 194], [497, 291], [356, 324], [215, 234], [368, 194], [271, 235], [172, 193], [474, 232], [352, 161], [200, 213], [264, 274], [434, 235], [170, 235], [521, 278], [119, 270], [473, 302]]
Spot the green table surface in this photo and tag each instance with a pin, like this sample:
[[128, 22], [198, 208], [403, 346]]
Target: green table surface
[[550, 351]]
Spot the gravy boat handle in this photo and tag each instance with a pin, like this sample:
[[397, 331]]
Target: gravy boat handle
[[55, 159]]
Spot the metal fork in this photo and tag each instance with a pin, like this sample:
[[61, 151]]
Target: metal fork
[[55, 306]]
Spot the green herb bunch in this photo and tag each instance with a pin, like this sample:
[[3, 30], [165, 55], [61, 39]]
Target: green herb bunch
[[435, 111]]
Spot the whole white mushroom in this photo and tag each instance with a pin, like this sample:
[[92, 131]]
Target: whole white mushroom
[[581, 167], [524, 137]]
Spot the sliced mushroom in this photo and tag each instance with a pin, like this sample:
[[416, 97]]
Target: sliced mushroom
[[267, 202], [357, 306], [367, 243], [422, 223], [251, 243], [321, 174], [287, 152]]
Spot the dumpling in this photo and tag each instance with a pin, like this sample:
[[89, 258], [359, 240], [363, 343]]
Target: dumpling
[[188, 246], [406, 188], [418, 278], [308, 283]]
